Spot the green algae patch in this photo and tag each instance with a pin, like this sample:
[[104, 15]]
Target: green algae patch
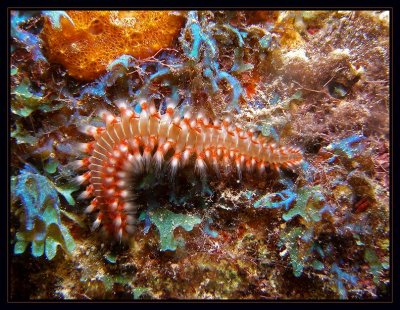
[[317, 265], [110, 257], [27, 101], [40, 217], [50, 166], [110, 280], [22, 136], [166, 222], [376, 267], [66, 190], [139, 291], [308, 203], [290, 241]]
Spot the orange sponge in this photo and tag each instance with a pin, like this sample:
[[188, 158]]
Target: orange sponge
[[96, 38]]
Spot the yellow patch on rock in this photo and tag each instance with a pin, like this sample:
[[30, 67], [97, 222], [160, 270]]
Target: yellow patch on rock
[[96, 38]]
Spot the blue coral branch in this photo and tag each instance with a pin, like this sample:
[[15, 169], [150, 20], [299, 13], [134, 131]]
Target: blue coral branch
[[55, 18], [268, 201], [341, 275], [349, 146], [237, 90], [31, 42]]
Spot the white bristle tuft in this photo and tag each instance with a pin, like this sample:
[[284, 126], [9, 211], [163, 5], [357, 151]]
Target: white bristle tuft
[[158, 159], [261, 168], [82, 178], [121, 174], [128, 164], [226, 161], [200, 166], [103, 113], [128, 206], [88, 130], [128, 113], [176, 120], [116, 154], [84, 147], [142, 103], [110, 170], [174, 164], [130, 229], [90, 209], [216, 167], [121, 104], [114, 205], [138, 157], [239, 170], [124, 194], [84, 195], [152, 110], [248, 166], [185, 157], [193, 123], [227, 121], [120, 234], [96, 223], [77, 164], [107, 117], [109, 180], [118, 221], [110, 119], [121, 183], [171, 104], [242, 159], [146, 160], [166, 147], [110, 192], [138, 162], [130, 219], [123, 148]]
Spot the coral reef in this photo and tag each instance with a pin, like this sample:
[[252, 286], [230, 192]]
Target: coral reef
[[286, 85]]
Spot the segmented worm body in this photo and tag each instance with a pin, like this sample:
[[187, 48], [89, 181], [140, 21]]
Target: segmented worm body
[[135, 142]]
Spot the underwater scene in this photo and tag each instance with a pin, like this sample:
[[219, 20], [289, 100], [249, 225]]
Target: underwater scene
[[191, 155]]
